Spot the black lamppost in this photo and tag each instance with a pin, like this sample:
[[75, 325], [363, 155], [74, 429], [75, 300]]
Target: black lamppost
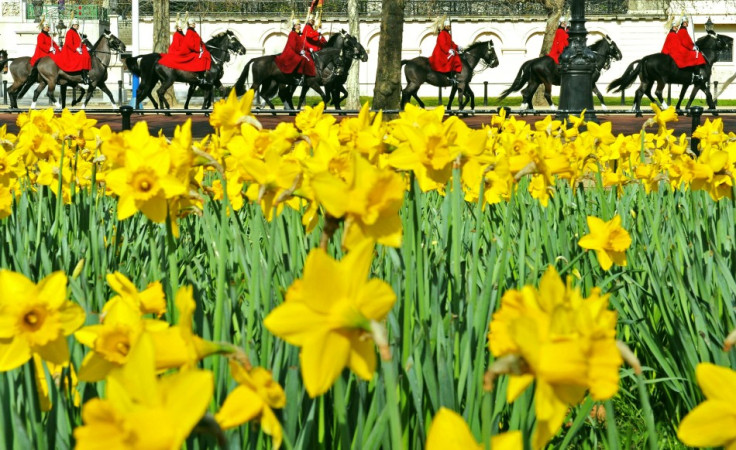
[[577, 63]]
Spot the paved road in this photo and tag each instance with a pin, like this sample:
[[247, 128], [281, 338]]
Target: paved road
[[627, 124]]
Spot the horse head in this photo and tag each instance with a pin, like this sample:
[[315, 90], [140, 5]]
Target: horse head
[[489, 55], [355, 48], [234, 44], [712, 44], [613, 50], [114, 42], [4, 59]]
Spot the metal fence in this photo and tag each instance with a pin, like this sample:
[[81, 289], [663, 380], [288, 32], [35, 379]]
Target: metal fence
[[425, 9]]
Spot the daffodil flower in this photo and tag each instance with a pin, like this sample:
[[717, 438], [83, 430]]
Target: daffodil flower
[[450, 432], [609, 240], [328, 313], [710, 424]]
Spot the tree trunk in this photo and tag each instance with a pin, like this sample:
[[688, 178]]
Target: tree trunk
[[387, 91], [162, 36], [354, 74], [554, 11]]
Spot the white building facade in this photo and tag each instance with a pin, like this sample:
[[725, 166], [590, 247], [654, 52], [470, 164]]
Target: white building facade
[[637, 32]]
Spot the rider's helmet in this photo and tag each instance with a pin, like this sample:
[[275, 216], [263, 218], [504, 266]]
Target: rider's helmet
[[74, 21], [191, 21], [178, 25]]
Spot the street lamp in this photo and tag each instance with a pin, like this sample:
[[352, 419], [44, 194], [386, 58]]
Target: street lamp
[[708, 25], [577, 63]]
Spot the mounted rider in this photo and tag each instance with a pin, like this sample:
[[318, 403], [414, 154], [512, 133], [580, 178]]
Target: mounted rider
[[446, 55], [74, 56], [203, 60], [680, 47], [187, 52], [313, 39], [294, 59], [560, 42], [45, 45]]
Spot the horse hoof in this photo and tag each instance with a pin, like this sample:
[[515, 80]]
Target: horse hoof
[[57, 105], [553, 107], [113, 105], [639, 114], [33, 105], [664, 106], [604, 107]]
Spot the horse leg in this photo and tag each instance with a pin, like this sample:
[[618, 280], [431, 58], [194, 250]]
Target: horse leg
[[103, 87], [708, 96], [548, 95], [411, 91], [165, 85], [190, 93], [682, 96], [452, 96], [660, 97], [37, 92], [600, 96], [62, 94], [527, 94], [637, 100], [52, 97], [303, 95]]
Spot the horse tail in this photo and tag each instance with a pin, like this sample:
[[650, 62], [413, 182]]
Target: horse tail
[[131, 62], [521, 79], [242, 79], [627, 79]]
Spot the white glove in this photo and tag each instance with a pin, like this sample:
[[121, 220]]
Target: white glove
[[452, 52], [302, 53], [695, 47], [79, 50], [460, 49], [200, 53], [52, 49]]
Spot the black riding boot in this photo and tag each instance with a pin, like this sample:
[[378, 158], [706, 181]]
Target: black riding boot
[[300, 80], [453, 78], [85, 77], [201, 80], [697, 78]]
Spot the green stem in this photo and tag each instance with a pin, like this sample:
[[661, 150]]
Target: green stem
[[647, 411], [392, 403]]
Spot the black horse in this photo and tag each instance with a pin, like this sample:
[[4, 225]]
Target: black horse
[[661, 69], [418, 72], [543, 70], [150, 72], [49, 74], [267, 76], [351, 50], [4, 61]]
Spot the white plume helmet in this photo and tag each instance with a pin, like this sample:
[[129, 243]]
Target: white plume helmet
[[447, 22], [43, 24], [178, 24], [563, 19], [75, 21], [670, 23], [191, 20], [438, 24], [684, 18]]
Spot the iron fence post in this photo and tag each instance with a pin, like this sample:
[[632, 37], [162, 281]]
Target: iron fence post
[[120, 92], [623, 98], [439, 95], [715, 91], [485, 93], [669, 94], [695, 113], [126, 111], [5, 92]]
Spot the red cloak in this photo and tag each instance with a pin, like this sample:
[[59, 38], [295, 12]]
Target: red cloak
[[313, 40], [74, 56], [559, 44], [45, 46], [291, 60], [445, 57]]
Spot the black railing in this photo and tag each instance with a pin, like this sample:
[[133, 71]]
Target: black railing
[[427, 9]]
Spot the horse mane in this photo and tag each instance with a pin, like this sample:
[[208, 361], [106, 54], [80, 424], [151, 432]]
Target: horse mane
[[332, 39], [596, 46], [218, 35], [477, 44]]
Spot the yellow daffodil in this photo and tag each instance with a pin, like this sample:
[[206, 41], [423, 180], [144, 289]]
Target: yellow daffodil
[[662, 117], [333, 319], [710, 424], [563, 341], [228, 114], [450, 432], [143, 412], [609, 240], [150, 300], [370, 203], [145, 183], [254, 397], [35, 319]]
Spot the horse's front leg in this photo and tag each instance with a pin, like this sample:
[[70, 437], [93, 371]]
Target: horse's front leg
[[600, 97], [303, 95], [190, 93], [103, 87], [682, 95], [705, 87], [37, 92], [452, 96]]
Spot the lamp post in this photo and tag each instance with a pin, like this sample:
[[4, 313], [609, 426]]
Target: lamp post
[[708, 25], [577, 63]]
